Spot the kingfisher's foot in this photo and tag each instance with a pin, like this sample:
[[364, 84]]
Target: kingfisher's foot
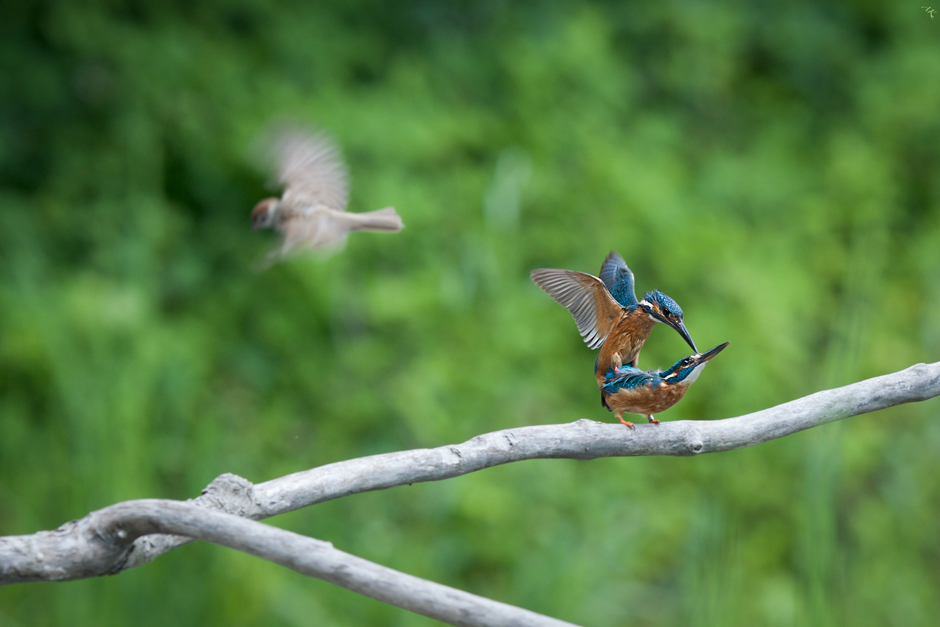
[[652, 420], [625, 422]]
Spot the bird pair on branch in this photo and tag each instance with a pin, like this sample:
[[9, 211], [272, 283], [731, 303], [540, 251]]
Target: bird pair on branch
[[610, 317]]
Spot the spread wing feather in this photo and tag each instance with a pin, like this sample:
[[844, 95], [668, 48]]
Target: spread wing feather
[[591, 305], [619, 279], [311, 168]]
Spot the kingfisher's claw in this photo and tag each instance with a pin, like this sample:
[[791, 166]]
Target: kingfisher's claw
[[625, 422]]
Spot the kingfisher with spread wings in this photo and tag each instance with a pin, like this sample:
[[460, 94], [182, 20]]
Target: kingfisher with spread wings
[[608, 313], [311, 213]]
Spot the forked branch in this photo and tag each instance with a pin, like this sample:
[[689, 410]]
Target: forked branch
[[135, 532]]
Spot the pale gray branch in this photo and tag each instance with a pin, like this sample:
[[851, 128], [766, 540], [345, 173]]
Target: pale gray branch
[[74, 555], [98, 543], [587, 439]]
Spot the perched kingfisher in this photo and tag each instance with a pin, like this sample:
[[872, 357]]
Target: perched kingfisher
[[608, 314], [633, 391]]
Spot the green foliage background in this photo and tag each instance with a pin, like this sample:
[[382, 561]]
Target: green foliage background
[[772, 166]]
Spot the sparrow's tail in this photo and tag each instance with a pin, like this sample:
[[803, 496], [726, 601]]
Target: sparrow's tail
[[382, 220]]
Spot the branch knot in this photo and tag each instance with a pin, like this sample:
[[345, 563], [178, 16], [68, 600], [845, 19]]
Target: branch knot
[[694, 442], [231, 494]]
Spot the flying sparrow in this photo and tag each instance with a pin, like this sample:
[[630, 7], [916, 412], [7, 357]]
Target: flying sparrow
[[311, 213]]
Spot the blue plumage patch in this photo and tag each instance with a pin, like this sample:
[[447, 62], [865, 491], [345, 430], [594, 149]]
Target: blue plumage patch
[[664, 302], [682, 369], [623, 294], [618, 279], [626, 378], [676, 367]]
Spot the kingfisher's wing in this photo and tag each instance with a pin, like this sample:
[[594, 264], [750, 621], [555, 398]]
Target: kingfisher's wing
[[311, 168], [585, 297], [619, 280], [628, 378]]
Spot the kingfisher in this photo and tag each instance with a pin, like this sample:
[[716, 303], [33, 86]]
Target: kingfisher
[[608, 314], [633, 391]]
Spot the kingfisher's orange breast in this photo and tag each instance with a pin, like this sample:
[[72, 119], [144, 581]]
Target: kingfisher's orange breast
[[623, 344], [646, 400]]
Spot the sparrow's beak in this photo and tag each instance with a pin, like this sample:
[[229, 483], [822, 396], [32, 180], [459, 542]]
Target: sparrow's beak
[[680, 327], [701, 359]]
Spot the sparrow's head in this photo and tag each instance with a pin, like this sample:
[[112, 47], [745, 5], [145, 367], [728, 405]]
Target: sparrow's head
[[262, 216]]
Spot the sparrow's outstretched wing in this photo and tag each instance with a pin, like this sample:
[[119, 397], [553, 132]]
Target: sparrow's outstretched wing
[[311, 168], [591, 305]]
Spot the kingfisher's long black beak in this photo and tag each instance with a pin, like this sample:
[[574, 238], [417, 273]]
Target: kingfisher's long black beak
[[701, 359], [680, 327]]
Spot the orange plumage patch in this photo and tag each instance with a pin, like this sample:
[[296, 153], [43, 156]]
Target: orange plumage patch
[[623, 344], [645, 400]]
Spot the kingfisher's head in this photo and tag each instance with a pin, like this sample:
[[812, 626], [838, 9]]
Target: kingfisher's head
[[663, 309], [262, 216], [687, 369]]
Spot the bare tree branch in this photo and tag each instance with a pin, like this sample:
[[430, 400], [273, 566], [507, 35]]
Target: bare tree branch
[[587, 439], [98, 543], [95, 546]]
